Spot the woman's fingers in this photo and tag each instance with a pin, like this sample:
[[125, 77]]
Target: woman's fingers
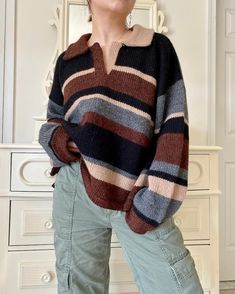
[[72, 146]]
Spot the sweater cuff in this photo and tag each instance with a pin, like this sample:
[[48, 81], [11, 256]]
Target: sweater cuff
[[59, 142], [136, 223]]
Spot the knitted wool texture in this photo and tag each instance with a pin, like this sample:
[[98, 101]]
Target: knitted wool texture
[[131, 125]]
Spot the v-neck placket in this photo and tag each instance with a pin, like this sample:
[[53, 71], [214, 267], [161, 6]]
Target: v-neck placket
[[99, 60], [140, 36]]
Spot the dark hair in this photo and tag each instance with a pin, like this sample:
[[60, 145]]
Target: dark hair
[[89, 6]]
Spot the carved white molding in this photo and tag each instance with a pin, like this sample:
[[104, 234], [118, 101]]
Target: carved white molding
[[57, 22], [229, 21], [60, 21], [161, 19]]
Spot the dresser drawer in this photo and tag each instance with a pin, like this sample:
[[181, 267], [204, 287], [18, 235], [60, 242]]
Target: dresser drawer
[[30, 172], [35, 271], [199, 172], [193, 218], [31, 222], [31, 272], [121, 278], [202, 258]]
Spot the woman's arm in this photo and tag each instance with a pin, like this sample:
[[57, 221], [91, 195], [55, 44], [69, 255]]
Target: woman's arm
[[52, 135], [166, 177]]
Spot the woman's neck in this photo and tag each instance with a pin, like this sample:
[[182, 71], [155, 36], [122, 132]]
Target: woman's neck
[[105, 35]]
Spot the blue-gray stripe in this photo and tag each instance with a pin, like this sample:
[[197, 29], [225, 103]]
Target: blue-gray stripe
[[175, 99], [170, 168], [114, 113], [45, 134], [54, 110], [154, 206]]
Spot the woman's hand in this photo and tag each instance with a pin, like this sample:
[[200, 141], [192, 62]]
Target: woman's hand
[[72, 146]]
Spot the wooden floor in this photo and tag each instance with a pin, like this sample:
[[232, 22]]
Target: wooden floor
[[227, 287]]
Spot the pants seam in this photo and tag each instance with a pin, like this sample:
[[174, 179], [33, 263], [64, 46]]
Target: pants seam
[[106, 285], [70, 286]]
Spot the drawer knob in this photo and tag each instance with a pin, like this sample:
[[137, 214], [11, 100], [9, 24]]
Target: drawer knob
[[178, 221], [46, 278], [47, 172], [48, 224]]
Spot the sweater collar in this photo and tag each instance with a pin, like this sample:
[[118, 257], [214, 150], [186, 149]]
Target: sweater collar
[[140, 36]]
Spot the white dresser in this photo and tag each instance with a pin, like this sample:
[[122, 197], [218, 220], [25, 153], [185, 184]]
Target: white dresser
[[26, 228]]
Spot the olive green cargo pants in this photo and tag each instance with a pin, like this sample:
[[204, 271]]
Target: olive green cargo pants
[[158, 259]]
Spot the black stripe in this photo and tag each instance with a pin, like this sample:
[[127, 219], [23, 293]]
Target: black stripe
[[117, 96], [99, 143], [168, 177], [175, 125], [145, 218]]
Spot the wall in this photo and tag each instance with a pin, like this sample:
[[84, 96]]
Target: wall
[[35, 41], [187, 23]]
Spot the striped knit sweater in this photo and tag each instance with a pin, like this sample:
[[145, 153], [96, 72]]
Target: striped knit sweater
[[130, 125]]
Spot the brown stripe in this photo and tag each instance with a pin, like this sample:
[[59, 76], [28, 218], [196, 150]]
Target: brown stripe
[[136, 223], [104, 194], [123, 82], [79, 83], [54, 120], [59, 142], [172, 148], [185, 155], [119, 129], [132, 85]]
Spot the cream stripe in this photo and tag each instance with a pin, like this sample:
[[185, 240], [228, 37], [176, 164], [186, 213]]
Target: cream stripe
[[77, 74], [161, 186], [120, 68], [53, 123], [157, 185], [166, 188], [111, 101], [142, 180], [175, 114], [104, 174], [185, 120], [136, 72]]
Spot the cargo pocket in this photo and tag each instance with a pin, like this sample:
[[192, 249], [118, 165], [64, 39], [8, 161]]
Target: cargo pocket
[[180, 261], [184, 267], [186, 275]]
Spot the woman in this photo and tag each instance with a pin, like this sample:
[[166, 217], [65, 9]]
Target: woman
[[117, 136]]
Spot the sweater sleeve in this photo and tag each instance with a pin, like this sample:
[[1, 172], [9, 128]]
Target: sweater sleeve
[[52, 136], [165, 182]]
